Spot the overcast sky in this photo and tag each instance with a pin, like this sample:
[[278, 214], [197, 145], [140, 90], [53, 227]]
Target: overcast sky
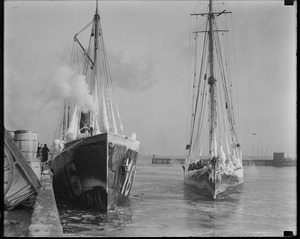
[[148, 51]]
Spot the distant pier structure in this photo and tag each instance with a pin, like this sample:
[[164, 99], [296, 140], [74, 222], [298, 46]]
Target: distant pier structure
[[167, 160], [278, 161]]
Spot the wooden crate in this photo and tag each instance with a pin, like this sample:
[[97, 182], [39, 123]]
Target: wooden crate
[[20, 181]]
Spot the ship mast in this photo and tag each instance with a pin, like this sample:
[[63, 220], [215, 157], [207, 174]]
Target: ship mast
[[85, 117], [211, 79], [96, 44], [212, 85]]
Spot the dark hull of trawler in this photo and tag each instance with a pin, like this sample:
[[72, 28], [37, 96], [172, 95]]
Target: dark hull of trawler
[[208, 185], [96, 171]]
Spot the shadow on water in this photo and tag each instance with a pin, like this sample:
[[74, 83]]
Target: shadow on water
[[206, 213], [77, 218], [192, 194]]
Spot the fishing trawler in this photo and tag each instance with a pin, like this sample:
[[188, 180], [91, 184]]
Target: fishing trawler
[[214, 155], [94, 164]]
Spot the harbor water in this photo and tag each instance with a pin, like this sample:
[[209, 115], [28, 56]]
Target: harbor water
[[159, 205]]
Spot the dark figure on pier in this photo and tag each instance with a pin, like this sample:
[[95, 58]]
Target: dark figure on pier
[[38, 154], [45, 152]]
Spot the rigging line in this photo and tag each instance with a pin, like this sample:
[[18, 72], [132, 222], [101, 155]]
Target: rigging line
[[221, 108], [64, 119], [201, 140], [67, 117], [235, 78], [226, 52], [104, 64], [188, 84], [114, 99], [220, 61], [225, 84], [200, 90], [206, 135], [202, 105], [56, 133], [86, 55], [77, 59], [92, 50], [229, 109], [108, 88], [73, 56], [72, 146], [200, 117], [72, 53], [111, 91], [65, 112], [84, 27], [199, 82], [193, 111], [105, 61], [194, 84]]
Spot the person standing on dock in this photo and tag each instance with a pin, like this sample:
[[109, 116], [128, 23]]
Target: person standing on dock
[[39, 150], [45, 152]]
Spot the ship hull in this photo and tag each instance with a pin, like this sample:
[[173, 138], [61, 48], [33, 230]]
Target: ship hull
[[96, 171], [211, 185]]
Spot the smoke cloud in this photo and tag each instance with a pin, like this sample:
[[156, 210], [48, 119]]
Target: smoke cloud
[[66, 84]]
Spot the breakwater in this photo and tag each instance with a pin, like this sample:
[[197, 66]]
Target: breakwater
[[165, 160], [268, 162], [246, 162]]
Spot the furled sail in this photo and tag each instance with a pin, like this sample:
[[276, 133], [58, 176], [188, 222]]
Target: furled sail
[[104, 124], [103, 116], [73, 128]]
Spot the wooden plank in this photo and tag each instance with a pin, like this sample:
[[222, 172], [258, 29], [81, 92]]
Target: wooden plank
[[21, 161]]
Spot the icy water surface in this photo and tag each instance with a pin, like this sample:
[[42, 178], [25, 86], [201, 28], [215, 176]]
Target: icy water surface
[[159, 205]]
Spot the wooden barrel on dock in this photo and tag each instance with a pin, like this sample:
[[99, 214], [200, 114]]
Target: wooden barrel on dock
[[27, 142]]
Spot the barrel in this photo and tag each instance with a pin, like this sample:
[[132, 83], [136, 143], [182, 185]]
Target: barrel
[[27, 142]]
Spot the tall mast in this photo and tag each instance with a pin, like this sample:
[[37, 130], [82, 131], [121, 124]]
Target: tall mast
[[211, 79], [85, 117], [96, 43], [212, 84]]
